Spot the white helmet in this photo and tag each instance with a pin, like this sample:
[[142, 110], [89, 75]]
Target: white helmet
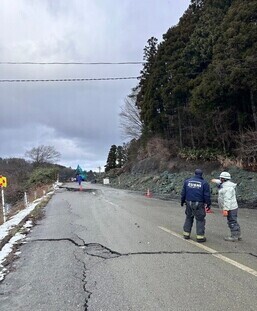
[[225, 175]]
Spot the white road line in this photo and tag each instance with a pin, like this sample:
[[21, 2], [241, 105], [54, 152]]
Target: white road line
[[111, 203], [213, 252]]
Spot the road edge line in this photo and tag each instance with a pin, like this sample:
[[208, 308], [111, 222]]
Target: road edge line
[[213, 252]]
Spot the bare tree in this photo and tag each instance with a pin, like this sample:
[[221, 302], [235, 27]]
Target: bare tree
[[130, 122], [43, 154], [247, 148]]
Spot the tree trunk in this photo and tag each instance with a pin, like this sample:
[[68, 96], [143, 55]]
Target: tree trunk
[[180, 129], [253, 106], [192, 134]]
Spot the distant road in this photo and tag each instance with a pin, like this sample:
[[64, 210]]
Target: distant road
[[114, 250]]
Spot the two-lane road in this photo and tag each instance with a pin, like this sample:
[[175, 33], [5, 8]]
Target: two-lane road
[[108, 249]]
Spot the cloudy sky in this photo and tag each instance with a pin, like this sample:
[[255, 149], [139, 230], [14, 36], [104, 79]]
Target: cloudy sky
[[80, 119]]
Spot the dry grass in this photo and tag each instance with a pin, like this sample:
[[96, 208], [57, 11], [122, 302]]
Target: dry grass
[[32, 195], [157, 147]]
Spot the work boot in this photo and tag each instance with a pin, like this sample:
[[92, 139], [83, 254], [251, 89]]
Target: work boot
[[232, 238], [186, 235], [201, 240], [239, 236]]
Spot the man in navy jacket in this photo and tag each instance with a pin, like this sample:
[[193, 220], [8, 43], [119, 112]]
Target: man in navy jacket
[[196, 195]]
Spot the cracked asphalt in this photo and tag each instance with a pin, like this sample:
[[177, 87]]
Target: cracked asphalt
[[104, 249]]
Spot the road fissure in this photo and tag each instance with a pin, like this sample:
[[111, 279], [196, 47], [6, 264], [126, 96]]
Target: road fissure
[[103, 252]]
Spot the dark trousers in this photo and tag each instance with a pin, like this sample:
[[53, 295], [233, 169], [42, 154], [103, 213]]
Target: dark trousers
[[195, 210], [233, 224]]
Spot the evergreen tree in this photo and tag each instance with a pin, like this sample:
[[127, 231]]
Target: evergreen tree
[[111, 160], [120, 158], [147, 107], [90, 176], [227, 90], [198, 55], [199, 86], [173, 72], [237, 53]]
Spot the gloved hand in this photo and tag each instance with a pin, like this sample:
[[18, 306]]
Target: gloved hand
[[225, 213], [182, 204]]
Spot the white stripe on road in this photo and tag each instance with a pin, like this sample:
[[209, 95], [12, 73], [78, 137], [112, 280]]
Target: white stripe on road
[[111, 203], [213, 252]]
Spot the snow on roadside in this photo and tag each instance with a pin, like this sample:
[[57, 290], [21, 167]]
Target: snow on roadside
[[12, 223], [6, 250], [16, 219]]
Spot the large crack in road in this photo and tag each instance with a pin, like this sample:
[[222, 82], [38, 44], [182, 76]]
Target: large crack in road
[[103, 252], [100, 251], [84, 281]]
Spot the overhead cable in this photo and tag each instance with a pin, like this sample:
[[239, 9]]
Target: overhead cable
[[66, 80], [72, 63]]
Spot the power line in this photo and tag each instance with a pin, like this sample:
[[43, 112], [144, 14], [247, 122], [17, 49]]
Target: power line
[[110, 78], [85, 63], [72, 63], [66, 80]]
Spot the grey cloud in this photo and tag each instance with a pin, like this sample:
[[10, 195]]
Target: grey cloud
[[80, 119]]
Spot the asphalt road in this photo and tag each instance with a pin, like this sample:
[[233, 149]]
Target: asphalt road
[[107, 249]]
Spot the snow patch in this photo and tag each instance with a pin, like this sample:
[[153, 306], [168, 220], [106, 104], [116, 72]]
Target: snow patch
[[12, 223]]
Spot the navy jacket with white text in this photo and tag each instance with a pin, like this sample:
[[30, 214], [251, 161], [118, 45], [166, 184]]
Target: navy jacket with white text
[[196, 189]]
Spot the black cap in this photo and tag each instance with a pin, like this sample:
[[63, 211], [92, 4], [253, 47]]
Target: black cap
[[198, 172]]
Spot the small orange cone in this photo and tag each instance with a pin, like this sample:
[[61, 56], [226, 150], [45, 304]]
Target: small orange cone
[[148, 193]]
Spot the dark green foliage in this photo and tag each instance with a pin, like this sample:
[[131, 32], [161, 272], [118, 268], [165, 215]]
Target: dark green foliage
[[120, 157], [111, 160], [116, 158], [132, 150], [148, 97], [42, 176], [82, 173], [21, 177], [91, 176], [66, 173], [199, 85]]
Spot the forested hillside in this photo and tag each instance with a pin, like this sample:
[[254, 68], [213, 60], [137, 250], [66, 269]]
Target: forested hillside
[[198, 87], [29, 175]]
